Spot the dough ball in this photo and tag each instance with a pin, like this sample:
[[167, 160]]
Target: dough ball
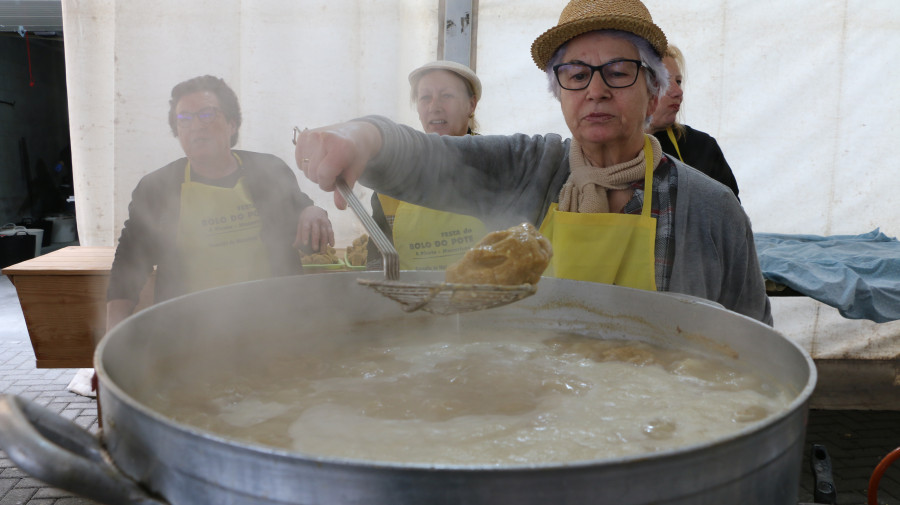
[[518, 255]]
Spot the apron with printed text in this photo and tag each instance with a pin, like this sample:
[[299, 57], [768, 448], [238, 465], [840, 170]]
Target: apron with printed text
[[428, 239], [219, 235], [605, 247]]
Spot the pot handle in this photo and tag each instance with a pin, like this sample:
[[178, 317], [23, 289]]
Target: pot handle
[[57, 451]]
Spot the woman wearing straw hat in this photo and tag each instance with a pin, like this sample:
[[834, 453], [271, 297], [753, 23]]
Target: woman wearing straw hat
[[615, 208], [694, 147], [445, 94]]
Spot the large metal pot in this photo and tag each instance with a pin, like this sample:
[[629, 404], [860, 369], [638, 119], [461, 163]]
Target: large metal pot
[[143, 457]]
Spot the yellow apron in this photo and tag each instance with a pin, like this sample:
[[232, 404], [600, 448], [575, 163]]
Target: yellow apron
[[219, 235], [428, 239], [605, 247]]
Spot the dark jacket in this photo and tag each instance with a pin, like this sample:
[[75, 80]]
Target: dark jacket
[[702, 152], [149, 236]]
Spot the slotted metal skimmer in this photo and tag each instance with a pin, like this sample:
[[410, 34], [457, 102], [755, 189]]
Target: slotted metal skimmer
[[436, 297]]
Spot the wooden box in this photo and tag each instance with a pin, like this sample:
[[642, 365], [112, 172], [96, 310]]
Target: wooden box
[[63, 298]]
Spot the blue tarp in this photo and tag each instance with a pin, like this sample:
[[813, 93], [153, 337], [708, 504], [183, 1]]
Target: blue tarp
[[857, 274]]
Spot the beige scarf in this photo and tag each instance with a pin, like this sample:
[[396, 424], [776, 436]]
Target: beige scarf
[[585, 190]]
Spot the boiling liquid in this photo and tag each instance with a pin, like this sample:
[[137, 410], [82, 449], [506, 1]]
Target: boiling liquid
[[479, 399]]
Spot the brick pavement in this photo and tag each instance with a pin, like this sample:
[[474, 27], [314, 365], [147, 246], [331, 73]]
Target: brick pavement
[[47, 387], [855, 440]]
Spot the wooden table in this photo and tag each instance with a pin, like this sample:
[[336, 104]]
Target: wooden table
[[63, 298]]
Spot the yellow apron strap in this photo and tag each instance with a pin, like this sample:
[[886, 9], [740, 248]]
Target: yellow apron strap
[[674, 142], [648, 177]]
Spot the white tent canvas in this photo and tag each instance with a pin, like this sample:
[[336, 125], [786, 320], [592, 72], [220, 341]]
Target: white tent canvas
[[800, 95]]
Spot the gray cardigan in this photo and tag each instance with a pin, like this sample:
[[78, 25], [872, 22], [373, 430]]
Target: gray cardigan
[[505, 180]]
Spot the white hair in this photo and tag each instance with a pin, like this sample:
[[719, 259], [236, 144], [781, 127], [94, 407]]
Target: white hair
[[657, 78]]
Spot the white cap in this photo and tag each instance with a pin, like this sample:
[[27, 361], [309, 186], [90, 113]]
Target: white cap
[[452, 66]]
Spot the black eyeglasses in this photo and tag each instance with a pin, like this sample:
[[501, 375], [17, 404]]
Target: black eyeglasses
[[205, 115], [616, 74]]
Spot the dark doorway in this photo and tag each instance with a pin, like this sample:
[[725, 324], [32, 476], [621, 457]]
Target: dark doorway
[[35, 155]]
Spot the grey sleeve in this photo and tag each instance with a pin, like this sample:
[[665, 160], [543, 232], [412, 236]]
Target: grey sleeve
[[715, 255], [501, 179]]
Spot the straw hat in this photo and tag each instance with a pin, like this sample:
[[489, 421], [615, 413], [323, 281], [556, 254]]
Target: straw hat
[[582, 16], [457, 68]]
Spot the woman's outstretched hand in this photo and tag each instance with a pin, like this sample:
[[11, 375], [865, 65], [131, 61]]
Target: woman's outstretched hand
[[340, 150]]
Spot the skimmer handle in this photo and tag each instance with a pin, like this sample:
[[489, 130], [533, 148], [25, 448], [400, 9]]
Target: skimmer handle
[[388, 253]]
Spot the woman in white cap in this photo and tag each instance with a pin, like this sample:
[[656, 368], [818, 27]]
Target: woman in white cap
[[445, 94], [615, 208], [694, 147]]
